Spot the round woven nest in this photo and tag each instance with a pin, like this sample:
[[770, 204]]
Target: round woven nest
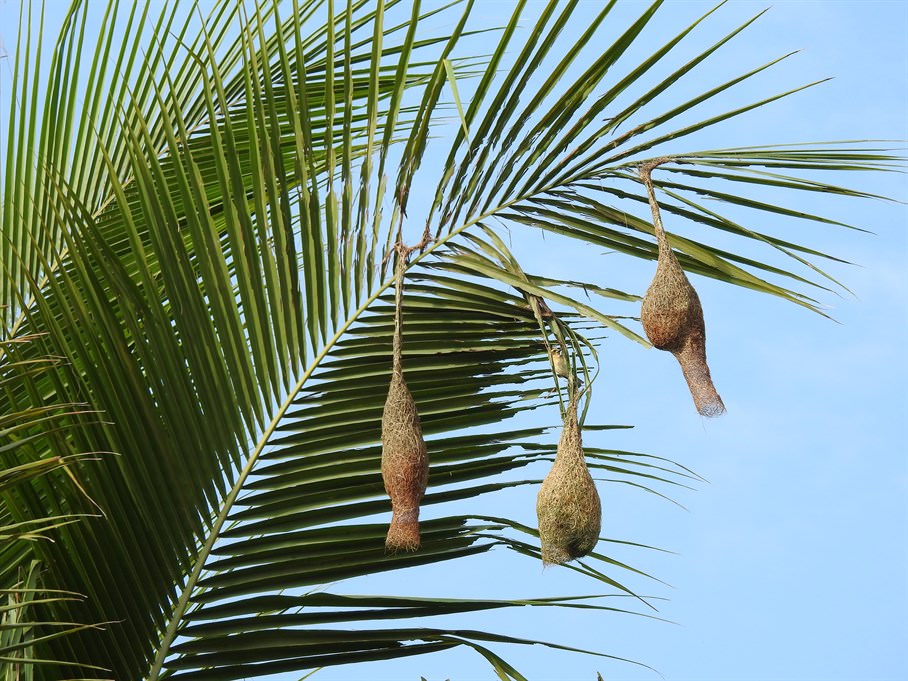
[[568, 506]]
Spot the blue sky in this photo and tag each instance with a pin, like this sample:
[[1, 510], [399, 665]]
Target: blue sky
[[792, 562]]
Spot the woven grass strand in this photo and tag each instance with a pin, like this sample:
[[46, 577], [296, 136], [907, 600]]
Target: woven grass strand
[[568, 506], [404, 458], [672, 316]]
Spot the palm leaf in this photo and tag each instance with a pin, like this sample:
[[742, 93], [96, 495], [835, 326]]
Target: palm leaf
[[25, 475], [161, 288], [321, 468]]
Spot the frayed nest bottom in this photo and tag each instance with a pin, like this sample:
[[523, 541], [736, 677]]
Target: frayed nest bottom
[[672, 318], [692, 358], [403, 533]]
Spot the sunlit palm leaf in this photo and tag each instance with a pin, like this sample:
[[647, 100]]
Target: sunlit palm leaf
[[470, 360], [155, 299]]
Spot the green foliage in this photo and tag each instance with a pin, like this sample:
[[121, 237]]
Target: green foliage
[[29, 515]]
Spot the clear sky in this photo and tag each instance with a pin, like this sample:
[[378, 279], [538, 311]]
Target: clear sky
[[792, 562]]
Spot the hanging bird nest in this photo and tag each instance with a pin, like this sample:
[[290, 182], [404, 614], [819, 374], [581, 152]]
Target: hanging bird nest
[[404, 458], [404, 465], [568, 506], [672, 316]]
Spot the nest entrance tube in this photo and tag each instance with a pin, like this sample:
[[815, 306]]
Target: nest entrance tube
[[568, 505], [404, 458], [672, 316]]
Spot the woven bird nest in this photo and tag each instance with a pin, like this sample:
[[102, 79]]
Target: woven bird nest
[[568, 506], [404, 465], [404, 458], [672, 318]]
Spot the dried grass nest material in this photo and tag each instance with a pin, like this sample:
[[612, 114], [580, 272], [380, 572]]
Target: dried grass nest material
[[404, 458], [568, 506], [404, 465], [672, 318]]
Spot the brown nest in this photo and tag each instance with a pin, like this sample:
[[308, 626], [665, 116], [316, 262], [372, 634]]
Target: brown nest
[[672, 318], [404, 465], [404, 458], [568, 506]]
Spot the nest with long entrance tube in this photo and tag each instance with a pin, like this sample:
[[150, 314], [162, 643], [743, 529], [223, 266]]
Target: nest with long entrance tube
[[672, 316]]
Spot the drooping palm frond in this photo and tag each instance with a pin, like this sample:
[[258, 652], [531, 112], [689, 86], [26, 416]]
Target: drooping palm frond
[[181, 324], [26, 474], [473, 361], [208, 252]]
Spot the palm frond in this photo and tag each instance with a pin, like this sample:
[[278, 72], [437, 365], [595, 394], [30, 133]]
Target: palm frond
[[25, 477], [154, 297], [473, 358]]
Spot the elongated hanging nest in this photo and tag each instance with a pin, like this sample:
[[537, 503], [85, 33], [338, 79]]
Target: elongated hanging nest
[[568, 506], [404, 459], [404, 465], [672, 317]]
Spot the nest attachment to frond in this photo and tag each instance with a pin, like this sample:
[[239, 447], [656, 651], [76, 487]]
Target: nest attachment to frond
[[568, 506], [404, 458], [672, 318]]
